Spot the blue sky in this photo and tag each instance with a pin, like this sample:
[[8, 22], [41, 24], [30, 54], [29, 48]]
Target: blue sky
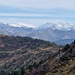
[[37, 12]]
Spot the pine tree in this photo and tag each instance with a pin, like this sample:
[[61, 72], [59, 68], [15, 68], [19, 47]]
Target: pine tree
[[22, 71]]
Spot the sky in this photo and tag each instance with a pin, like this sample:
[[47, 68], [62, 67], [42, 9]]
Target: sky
[[37, 12]]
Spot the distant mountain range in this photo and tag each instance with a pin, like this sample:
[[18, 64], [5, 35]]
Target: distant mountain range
[[54, 32]]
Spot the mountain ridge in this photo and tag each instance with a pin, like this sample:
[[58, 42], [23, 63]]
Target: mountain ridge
[[64, 26], [49, 33]]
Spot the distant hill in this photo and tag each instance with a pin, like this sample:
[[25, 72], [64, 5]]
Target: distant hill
[[64, 41]]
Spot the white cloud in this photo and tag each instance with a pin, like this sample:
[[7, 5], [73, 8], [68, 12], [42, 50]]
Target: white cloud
[[25, 14]]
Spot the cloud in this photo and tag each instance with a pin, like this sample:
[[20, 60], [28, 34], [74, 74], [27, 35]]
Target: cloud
[[44, 13], [35, 22], [70, 4]]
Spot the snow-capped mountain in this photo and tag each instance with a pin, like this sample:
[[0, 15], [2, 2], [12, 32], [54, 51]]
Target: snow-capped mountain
[[54, 32], [19, 29], [59, 26], [22, 25]]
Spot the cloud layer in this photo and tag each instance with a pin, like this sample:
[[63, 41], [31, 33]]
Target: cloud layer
[[39, 3]]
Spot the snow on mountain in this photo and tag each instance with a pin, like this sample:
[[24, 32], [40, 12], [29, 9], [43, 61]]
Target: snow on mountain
[[60, 26], [22, 25]]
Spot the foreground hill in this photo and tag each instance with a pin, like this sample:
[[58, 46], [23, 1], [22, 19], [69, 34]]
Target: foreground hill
[[22, 51], [61, 63], [27, 56]]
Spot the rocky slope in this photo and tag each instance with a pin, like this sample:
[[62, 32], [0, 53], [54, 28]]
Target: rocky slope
[[61, 63]]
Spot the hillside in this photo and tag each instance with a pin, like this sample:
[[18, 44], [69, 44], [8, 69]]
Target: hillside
[[61, 63], [35, 57], [22, 51]]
